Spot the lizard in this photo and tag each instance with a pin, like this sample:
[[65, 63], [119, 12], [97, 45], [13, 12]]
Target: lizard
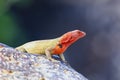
[[49, 47]]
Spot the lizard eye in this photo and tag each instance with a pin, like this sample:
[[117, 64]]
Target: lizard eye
[[60, 45]]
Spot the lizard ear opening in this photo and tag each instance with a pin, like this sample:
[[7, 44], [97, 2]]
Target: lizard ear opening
[[66, 38]]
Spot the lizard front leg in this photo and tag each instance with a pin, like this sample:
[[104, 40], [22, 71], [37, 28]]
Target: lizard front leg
[[62, 57], [49, 55]]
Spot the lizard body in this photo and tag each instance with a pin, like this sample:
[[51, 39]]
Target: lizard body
[[52, 46], [38, 46]]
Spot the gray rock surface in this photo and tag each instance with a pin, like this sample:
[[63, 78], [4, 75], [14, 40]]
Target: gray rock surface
[[15, 65]]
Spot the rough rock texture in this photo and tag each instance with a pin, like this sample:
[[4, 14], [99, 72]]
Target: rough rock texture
[[15, 65]]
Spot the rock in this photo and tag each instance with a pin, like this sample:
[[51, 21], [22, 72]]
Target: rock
[[16, 65]]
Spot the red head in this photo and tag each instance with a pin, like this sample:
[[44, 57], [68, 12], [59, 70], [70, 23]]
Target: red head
[[72, 36], [67, 39]]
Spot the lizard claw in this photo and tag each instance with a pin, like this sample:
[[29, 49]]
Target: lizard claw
[[66, 63], [53, 60]]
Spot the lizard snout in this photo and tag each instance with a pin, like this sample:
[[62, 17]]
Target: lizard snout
[[78, 33]]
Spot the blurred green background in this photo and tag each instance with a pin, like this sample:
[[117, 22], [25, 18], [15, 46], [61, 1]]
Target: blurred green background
[[11, 32]]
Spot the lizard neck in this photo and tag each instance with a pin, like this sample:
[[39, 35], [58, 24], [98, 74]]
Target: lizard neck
[[60, 48]]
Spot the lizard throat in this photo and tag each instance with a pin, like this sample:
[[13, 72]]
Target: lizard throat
[[59, 49]]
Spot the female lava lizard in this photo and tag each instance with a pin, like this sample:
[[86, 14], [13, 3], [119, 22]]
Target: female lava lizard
[[52, 46]]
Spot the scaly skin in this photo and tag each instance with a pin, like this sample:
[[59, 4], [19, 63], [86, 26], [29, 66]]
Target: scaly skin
[[52, 46]]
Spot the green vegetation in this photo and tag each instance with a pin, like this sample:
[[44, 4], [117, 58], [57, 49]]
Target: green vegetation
[[10, 32]]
